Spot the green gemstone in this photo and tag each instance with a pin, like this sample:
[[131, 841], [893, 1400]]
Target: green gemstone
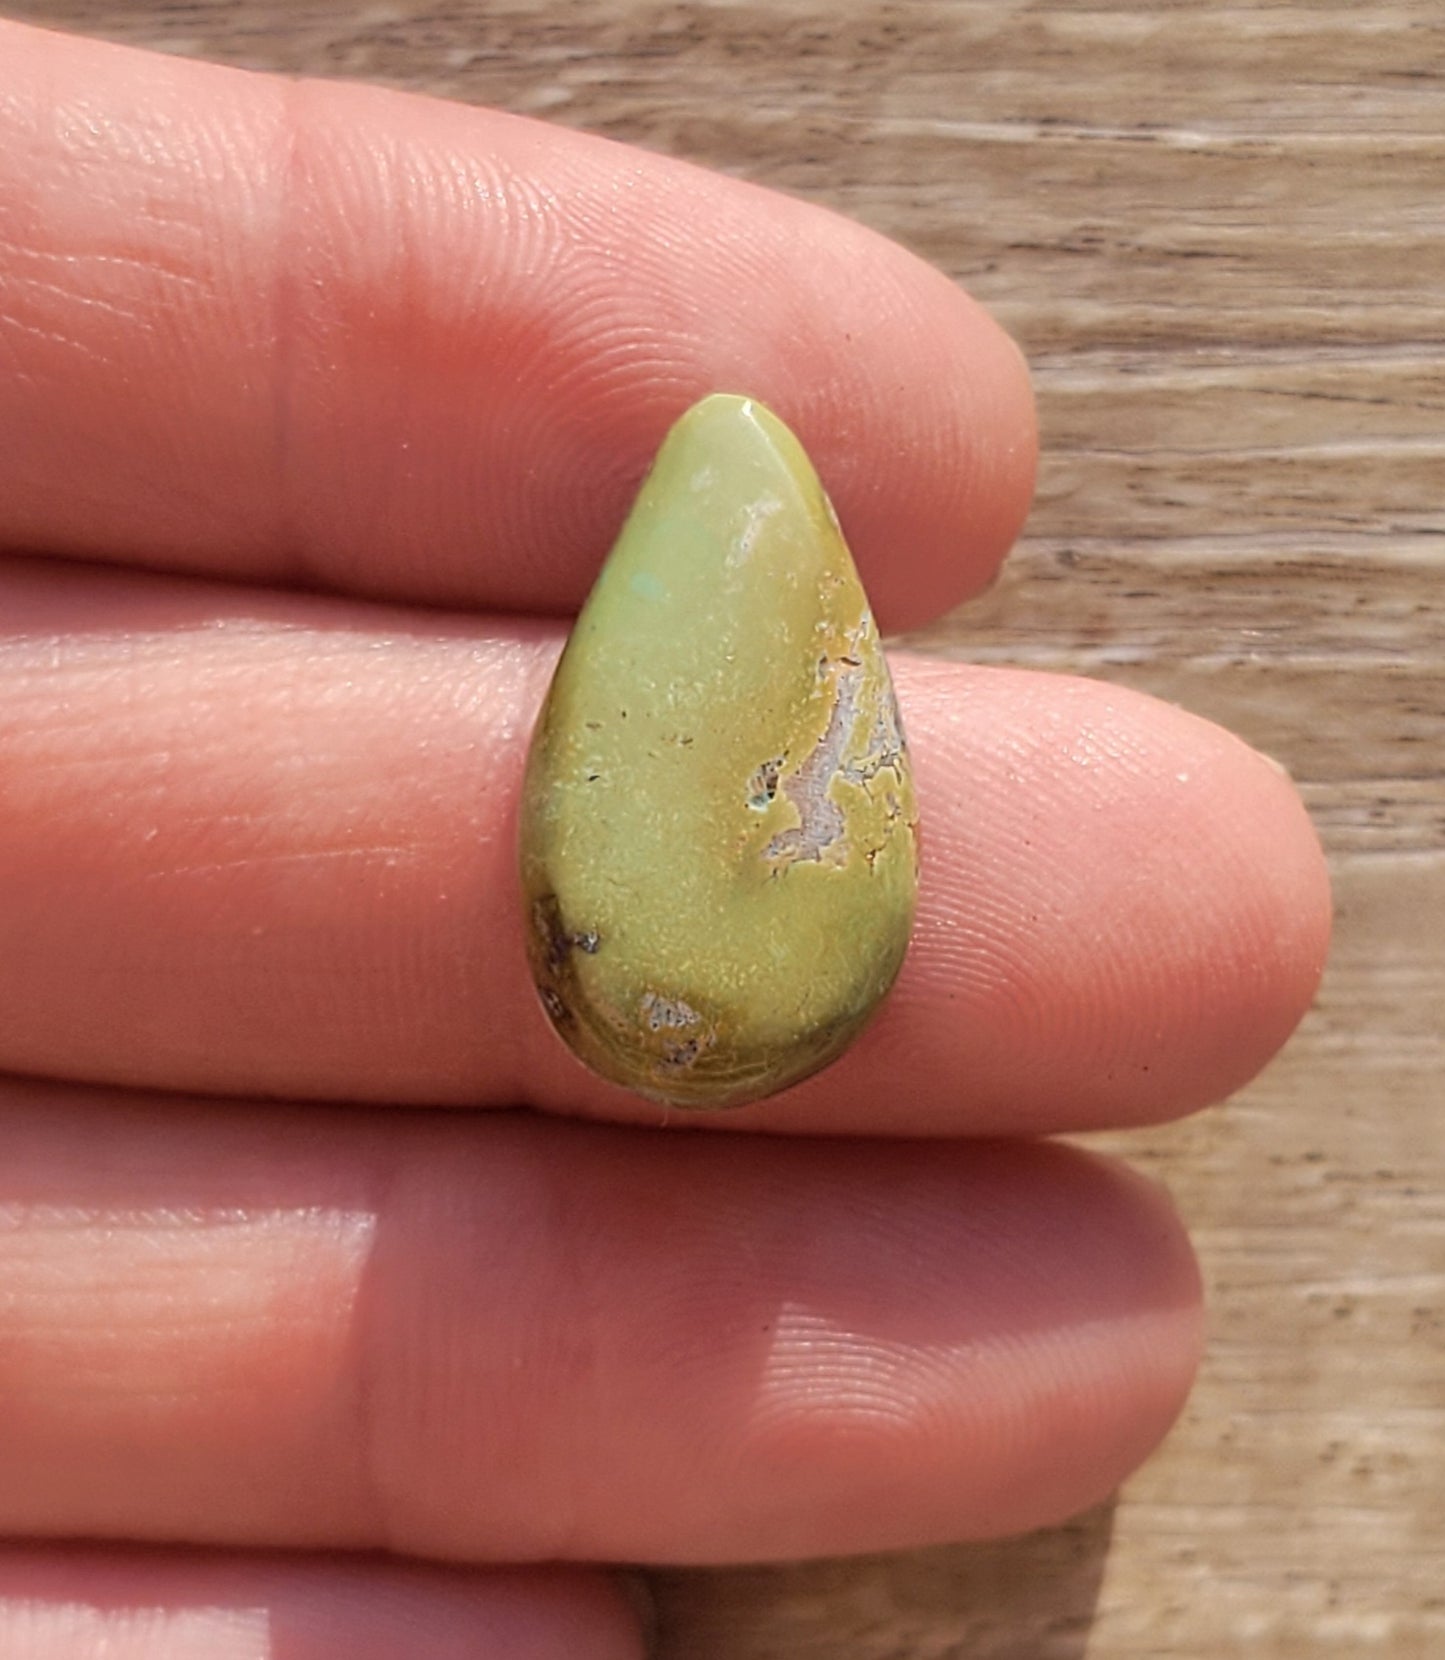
[[718, 831]]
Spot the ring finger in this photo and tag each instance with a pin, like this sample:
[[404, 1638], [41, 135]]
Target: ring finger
[[494, 1337]]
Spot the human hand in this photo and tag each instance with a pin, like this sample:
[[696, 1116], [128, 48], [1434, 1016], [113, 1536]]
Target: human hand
[[315, 401]]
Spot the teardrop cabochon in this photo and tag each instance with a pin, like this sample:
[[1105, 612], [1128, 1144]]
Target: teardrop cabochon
[[718, 829]]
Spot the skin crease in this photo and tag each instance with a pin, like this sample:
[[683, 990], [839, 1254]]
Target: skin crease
[[259, 842]]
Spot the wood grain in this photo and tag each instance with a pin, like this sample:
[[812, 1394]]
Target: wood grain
[[1219, 232]]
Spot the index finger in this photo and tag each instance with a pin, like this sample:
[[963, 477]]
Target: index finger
[[323, 333]]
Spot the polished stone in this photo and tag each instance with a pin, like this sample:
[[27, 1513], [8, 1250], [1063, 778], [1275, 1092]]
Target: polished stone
[[718, 832]]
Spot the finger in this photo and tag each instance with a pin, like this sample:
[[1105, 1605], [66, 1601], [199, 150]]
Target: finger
[[78, 1604], [257, 845], [496, 1337], [318, 332]]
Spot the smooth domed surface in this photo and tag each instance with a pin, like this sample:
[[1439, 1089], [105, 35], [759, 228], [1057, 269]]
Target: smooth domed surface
[[718, 827]]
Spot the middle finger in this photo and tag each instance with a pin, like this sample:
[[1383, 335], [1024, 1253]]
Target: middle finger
[[258, 844]]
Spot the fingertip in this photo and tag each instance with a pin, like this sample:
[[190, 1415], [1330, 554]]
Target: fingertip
[[918, 411], [1145, 1356], [1128, 917], [1049, 1340], [1295, 910], [1253, 869], [965, 467]]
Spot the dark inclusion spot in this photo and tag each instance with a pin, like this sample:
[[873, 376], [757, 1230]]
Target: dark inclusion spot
[[557, 940], [549, 932], [669, 1015], [763, 785], [557, 976], [661, 1013]]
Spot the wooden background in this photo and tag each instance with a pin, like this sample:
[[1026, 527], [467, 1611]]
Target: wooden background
[[1219, 232]]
